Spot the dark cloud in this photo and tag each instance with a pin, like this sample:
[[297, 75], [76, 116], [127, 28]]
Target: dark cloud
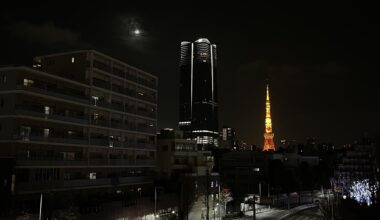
[[46, 34]]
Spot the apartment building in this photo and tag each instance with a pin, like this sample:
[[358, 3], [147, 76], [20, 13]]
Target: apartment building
[[77, 120]]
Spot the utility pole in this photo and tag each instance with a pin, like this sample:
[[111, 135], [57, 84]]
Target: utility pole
[[253, 189], [155, 201], [219, 201], [207, 194], [40, 214]]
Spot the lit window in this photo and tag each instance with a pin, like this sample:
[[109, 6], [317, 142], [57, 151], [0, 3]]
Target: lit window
[[96, 116], [25, 133], [212, 184], [92, 176], [95, 98], [47, 110], [46, 132], [72, 59], [28, 82], [111, 141]]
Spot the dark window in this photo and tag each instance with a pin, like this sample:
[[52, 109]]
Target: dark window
[[165, 148]]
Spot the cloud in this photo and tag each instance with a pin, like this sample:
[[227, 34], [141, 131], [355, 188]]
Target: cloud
[[46, 34], [124, 27]]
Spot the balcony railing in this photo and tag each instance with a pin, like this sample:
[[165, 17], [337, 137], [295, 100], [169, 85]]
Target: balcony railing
[[40, 114], [145, 145], [100, 141], [146, 113], [85, 162], [105, 181], [145, 162], [100, 83], [146, 129], [51, 162], [67, 140], [56, 93], [84, 141]]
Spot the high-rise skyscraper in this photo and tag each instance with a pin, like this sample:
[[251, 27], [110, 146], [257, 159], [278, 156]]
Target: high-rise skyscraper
[[268, 135], [198, 104]]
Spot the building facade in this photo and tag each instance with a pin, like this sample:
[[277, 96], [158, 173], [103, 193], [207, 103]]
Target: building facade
[[78, 120], [198, 104], [184, 166], [177, 156], [228, 138], [356, 164]]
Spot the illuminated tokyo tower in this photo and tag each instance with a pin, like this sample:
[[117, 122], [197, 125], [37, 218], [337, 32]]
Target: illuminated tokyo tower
[[268, 135]]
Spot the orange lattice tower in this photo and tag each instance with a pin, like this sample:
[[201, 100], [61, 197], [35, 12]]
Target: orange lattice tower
[[268, 135]]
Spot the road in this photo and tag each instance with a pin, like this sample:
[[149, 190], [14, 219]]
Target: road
[[308, 214]]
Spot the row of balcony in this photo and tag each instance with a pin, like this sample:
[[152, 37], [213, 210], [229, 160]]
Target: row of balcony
[[79, 96], [90, 162], [122, 74], [85, 120], [87, 100], [85, 141], [125, 91], [101, 182]]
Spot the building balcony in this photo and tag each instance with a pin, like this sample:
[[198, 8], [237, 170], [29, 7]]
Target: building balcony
[[145, 145], [146, 98], [146, 83], [100, 122], [130, 109], [84, 163], [79, 183], [56, 93], [147, 162], [101, 84], [40, 114], [84, 141], [67, 140], [117, 106], [51, 163], [146, 129], [106, 181], [131, 77], [146, 113], [100, 141]]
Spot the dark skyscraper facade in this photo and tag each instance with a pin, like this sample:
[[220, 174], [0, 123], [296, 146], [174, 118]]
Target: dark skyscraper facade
[[198, 104]]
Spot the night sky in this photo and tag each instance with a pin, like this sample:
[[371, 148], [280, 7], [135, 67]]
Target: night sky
[[322, 60]]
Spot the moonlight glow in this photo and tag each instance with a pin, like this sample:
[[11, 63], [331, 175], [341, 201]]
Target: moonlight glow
[[137, 32]]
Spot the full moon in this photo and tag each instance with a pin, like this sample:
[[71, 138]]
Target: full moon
[[137, 32]]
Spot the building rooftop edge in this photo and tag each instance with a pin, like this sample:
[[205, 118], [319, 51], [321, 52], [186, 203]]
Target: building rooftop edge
[[96, 52]]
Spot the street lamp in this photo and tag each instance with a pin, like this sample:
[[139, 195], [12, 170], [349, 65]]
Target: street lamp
[[155, 201], [256, 169]]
